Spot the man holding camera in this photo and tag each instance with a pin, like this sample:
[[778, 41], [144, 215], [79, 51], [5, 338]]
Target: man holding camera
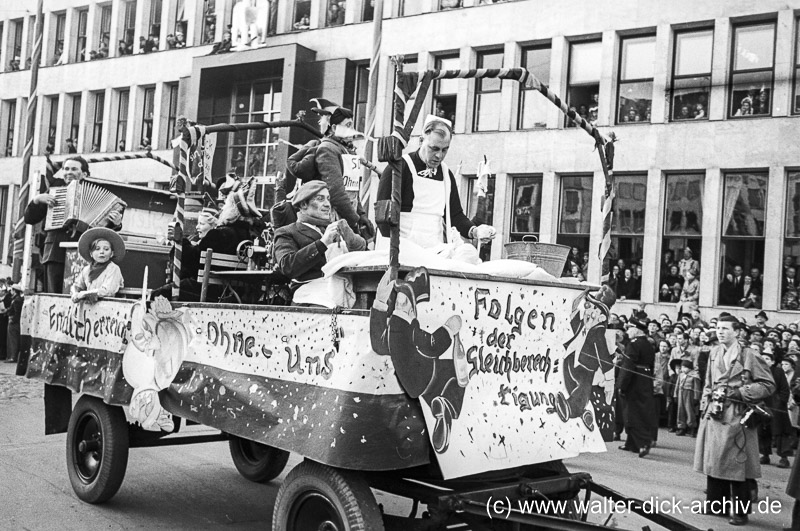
[[727, 442]]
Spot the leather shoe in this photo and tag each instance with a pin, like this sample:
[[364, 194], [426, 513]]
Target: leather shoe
[[627, 449], [764, 460], [644, 450], [783, 463], [617, 437], [738, 520]]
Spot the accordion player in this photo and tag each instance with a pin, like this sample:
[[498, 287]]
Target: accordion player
[[52, 256]]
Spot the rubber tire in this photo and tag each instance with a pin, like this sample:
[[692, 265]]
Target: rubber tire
[[257, 462], [346, 491], [113, 454]]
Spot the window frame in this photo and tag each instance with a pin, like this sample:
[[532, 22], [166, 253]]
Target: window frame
[[76, 101], [97, 120], [123, 111], [270, 140], [570, 84], [172, 112], [789, 241], [148, 122], [129, 25], [480, 57], [514, 235], [525, 91], [105, 19], [678, 77], [732, 72], [435, 93], [10, 106], [360, 70], [52, 121], [59, 35], [796, 80], [621, 83], [16, 42], [154, 20], [82, 23]]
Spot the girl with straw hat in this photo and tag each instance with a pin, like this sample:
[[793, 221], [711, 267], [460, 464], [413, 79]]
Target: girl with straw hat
[[103, 249]]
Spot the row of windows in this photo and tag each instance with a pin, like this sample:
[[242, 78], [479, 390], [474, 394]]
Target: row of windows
[[750, 84], [99, 121], [742, 225]]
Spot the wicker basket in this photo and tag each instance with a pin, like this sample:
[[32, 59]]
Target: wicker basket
[[549, 256]]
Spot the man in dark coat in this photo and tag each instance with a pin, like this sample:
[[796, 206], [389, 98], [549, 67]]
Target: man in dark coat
[[300, 248], [53, 255], [731, 291], [636, 386], [780, 418]]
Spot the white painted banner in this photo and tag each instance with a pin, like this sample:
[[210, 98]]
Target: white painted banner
[[352, 171]]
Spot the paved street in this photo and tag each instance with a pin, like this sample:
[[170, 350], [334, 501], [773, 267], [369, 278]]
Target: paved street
[[197, 487]]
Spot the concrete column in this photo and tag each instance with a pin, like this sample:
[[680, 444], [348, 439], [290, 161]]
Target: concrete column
[[653, 216], [135, 101], [61, 120], [607, 104], [48, 41], [93, 30], [83, 120], [142, 11], [596, 234], [285, 15], [352, 11], [773, 241], [548, 224], [383, 105], [784, 68], [718, 99], [661, 77], [428, 6], [70, 32], [501, 213], [38, 129], [318, 13], [167, 7], [466, 93], [195, 23], [711, 242], [108, 130], [159, 115], [559, 61], [19, 126], [117, 12], [511, 53]]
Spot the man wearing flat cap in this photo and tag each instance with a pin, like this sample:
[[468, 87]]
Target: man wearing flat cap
[[636, 386], [302, 248]]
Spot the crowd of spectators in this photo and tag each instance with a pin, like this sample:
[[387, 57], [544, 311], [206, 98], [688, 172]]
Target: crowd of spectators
[[679, 373]]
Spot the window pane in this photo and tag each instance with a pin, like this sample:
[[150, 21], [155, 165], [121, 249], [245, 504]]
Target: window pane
[[684, 205], [629, 204], [584, 62], [744, 204], [751, 94], [635, 102], [490, 60], [693, 52], [576, 205], [533, 106], [637, 58], [691, 93], [447, 86], [753, 47], [793, 205], [527, 213], [796, 106], [487, 111]]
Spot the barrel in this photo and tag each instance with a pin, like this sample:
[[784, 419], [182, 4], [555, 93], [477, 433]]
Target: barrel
[[549, 256]]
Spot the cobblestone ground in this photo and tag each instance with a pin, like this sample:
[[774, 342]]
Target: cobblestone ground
[[15, 387]]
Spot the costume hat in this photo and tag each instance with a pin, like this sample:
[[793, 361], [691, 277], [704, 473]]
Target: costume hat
[[88, 237]]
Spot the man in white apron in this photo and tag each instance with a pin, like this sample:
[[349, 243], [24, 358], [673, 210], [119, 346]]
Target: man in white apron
[[429, 202], [303, 247]]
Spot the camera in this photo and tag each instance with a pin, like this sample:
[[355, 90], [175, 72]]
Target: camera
[[717, 405]]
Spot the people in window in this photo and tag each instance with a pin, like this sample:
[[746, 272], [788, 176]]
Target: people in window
[[688, 262], [665, 294], [684, 113], [761, 103], [13, 65], [628, 287], [699, 111], [223, 46], [303, 24], [745, 107], [789, 289], [180, 40], [690, 295], [335, 15], [731, 290]]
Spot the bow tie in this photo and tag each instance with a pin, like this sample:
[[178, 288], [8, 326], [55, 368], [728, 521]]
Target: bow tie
[[429, 173]]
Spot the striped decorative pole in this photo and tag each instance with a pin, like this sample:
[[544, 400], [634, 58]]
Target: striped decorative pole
[[372, 98], [30, 124]]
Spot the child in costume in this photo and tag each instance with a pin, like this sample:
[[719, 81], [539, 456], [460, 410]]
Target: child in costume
[[687, 396], [103, 249]]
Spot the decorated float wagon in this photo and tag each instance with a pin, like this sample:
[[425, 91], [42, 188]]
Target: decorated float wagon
[[447, 386]]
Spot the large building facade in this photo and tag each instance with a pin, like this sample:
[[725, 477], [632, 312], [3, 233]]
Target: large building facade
[[702, 96]]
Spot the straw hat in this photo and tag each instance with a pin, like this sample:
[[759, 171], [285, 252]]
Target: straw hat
[[88, 237]]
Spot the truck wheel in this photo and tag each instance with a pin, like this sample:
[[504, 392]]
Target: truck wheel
[[255, 461], [320, 498], [97, 449]]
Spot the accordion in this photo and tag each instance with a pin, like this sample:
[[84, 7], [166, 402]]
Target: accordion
[[81, 202]]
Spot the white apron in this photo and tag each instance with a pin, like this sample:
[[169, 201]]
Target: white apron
[[423, 225]]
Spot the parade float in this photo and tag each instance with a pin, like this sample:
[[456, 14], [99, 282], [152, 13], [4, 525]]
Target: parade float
[[448, 386]]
